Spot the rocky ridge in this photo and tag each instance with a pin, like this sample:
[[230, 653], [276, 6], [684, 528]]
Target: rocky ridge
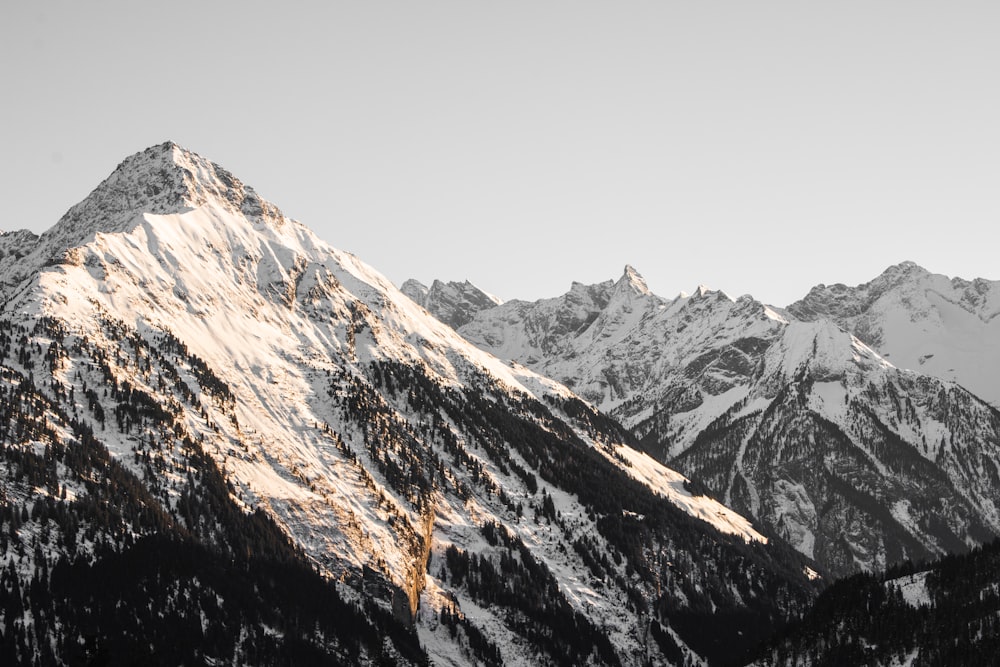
[[940, 326], [453, 303]]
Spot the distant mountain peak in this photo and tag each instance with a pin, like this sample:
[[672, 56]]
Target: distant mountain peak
[[904, 271], [454, 303], [631, 280], [906, 266], [703, 291], [941, 326], [416, 290]]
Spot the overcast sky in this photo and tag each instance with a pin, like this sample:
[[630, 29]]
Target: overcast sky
[[756, 147]]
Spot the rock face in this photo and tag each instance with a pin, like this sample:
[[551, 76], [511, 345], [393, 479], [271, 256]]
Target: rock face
[[940, 326], [453, 303], [783, 414], [223, 416]]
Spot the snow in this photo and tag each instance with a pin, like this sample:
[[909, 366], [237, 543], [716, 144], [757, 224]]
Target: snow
[[945, 327], [824, 349], [947, 341], [246, 338], [619, 346], [913, 588], [688, 425], [670, 484], [672, 368], [773, 314]]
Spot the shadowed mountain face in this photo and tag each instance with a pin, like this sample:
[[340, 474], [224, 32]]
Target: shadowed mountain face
[[785, 415], [209, 413]]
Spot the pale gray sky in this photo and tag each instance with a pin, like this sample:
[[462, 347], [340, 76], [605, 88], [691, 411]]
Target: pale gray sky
[[757, 147]]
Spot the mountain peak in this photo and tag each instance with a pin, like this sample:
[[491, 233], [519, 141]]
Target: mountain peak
[[700, 292], [416, 290], [906, 265], [904, 270], [169, 178], [163, 179], [632, 281], [454, 303]]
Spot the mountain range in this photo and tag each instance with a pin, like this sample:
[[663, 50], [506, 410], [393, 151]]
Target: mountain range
[[796, 417], [225, 441]]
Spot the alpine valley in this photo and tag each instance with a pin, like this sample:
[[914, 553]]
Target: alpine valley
[[226, 442]]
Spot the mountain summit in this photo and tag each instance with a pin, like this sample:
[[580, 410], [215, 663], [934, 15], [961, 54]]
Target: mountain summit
[[633, 281], [940, 326], [453, 303], [163, 179]]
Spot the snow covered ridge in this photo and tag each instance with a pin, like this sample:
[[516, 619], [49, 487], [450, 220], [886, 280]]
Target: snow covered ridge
[[785, 412], [940, 326], [674, 486], [243, 377]]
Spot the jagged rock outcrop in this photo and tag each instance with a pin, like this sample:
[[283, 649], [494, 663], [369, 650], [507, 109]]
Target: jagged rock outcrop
[[453, 303]]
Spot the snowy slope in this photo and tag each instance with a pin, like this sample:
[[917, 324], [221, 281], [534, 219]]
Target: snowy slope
[[940, 326], [396, 455]]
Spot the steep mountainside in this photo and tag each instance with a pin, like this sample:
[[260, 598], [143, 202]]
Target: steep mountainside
[[207, 410], [857, 463], [945, 327]]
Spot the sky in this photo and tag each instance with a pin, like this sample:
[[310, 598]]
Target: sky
[[756, 147]]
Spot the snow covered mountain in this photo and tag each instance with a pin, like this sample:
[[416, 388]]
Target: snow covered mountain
[[452, 303], [797, 423], [616, 343], [225, 441], [940, 326]]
